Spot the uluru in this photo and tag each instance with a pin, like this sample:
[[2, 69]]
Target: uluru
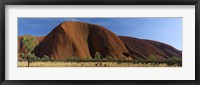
[[83, 40], [99, 42]]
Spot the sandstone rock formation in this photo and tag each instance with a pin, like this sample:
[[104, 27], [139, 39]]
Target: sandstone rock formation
[[82, 40], [140, 48]]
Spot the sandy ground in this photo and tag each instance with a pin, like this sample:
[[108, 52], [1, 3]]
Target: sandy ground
[[89, 64]]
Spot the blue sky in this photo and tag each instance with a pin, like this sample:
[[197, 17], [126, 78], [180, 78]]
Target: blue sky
[[166, 30]]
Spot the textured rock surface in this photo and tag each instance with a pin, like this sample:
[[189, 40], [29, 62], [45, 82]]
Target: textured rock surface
[[144, 48], [78, 39]]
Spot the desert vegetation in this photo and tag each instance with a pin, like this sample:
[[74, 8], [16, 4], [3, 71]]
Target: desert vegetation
[[29, 44], [97, 61]]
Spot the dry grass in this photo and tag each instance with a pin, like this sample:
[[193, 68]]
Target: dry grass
[[90, 64]]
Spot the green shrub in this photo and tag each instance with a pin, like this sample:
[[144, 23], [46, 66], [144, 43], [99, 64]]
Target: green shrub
[[45, 58], [22, 55], [88, 58], [52, 59], [174, 60], [72, 59], [32, 57], [109, 58], [105, 59], [140, 60], [97, 56], [152, 58]]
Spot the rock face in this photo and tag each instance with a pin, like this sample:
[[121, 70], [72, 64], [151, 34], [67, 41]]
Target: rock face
[[140, 48], [20, 49], [82, 40]]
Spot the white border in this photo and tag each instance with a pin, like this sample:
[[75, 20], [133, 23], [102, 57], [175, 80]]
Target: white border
[[187, 72]]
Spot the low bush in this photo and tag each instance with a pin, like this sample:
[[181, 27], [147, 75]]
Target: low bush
[[22, 55], [138, 59], [32, 57], [152, 58], [174, 60], [45, 58], [70, 59], [109, 58], [97, 56]]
